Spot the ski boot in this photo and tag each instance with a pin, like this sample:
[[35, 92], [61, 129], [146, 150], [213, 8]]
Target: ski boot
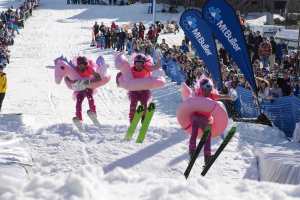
[[207, 159], [78, 123], [191, 153], [93, 116]]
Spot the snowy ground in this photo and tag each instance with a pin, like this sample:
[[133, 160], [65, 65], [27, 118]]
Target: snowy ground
[[99, 164]]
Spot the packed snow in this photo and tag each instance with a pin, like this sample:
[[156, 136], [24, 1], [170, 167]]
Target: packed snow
[[43, 156]]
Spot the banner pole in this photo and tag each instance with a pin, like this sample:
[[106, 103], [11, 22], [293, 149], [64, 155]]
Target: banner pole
[[298, 51], [154, 11]]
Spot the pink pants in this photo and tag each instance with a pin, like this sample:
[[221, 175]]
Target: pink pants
[[79, 99], [135, 96], [199, 121]]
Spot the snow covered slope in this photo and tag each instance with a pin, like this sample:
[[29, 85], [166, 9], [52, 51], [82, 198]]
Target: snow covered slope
[[99, 164]]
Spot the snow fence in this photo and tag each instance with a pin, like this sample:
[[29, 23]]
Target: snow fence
[[284, 111]]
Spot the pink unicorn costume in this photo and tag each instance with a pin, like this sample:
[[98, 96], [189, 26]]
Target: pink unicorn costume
[[83, 85]]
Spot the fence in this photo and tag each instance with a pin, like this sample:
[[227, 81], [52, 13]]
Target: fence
[[284, 112], [173, 70]]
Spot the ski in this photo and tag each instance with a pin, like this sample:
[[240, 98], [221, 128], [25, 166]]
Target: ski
[[94, 119], [10, 114], [197, 152], [78, 125], [146, 123], [219, 150], [137, 116]]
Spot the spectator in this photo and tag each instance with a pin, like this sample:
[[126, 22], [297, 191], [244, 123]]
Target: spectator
[[151, 35], [98, 40], [285, 85], [102, 27], [96, 28], [141, 30], [265, 50], [275, 90], [114, 38], [107, 36], [164, 45], [257, 41], [224, 56], [281, 49], [184, 48], [3, 85], [242, 20], [113, 26], [234, 102], [273, 54]]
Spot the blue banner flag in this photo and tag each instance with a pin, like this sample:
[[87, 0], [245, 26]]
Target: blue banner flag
[[226, 26], [200, 34]]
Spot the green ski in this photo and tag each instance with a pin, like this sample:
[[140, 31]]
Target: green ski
[[219, 150], [146, 123], [137, 116]]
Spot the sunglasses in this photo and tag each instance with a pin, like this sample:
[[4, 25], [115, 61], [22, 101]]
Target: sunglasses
[[139, 61], [83, 64], [206, 85]]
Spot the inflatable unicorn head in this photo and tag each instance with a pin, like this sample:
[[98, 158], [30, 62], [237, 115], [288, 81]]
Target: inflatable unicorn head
[[64, 68]]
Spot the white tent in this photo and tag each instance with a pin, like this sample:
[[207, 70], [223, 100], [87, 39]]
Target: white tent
[[288, 35], [266, 30]]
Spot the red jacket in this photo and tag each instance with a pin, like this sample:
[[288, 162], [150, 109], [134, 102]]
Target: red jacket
[[151, 34], [113, 26], [146, 72], [88, 72]]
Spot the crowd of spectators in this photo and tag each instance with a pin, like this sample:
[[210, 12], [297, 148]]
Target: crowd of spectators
[[99, 2], [11, 21], [276, 69], [130, 38]]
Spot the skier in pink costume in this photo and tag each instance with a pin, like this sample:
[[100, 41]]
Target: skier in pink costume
[[85, 70], [83, 76], [204, 88]]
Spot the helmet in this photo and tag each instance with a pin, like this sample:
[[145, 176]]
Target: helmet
[[140, 58], [82, 60], [205, 84]]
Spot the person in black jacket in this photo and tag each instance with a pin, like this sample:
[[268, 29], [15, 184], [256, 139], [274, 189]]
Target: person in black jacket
[[96, 28], [257, 40], [107, 36], [121, 40], [285, 85], [273, 54]]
